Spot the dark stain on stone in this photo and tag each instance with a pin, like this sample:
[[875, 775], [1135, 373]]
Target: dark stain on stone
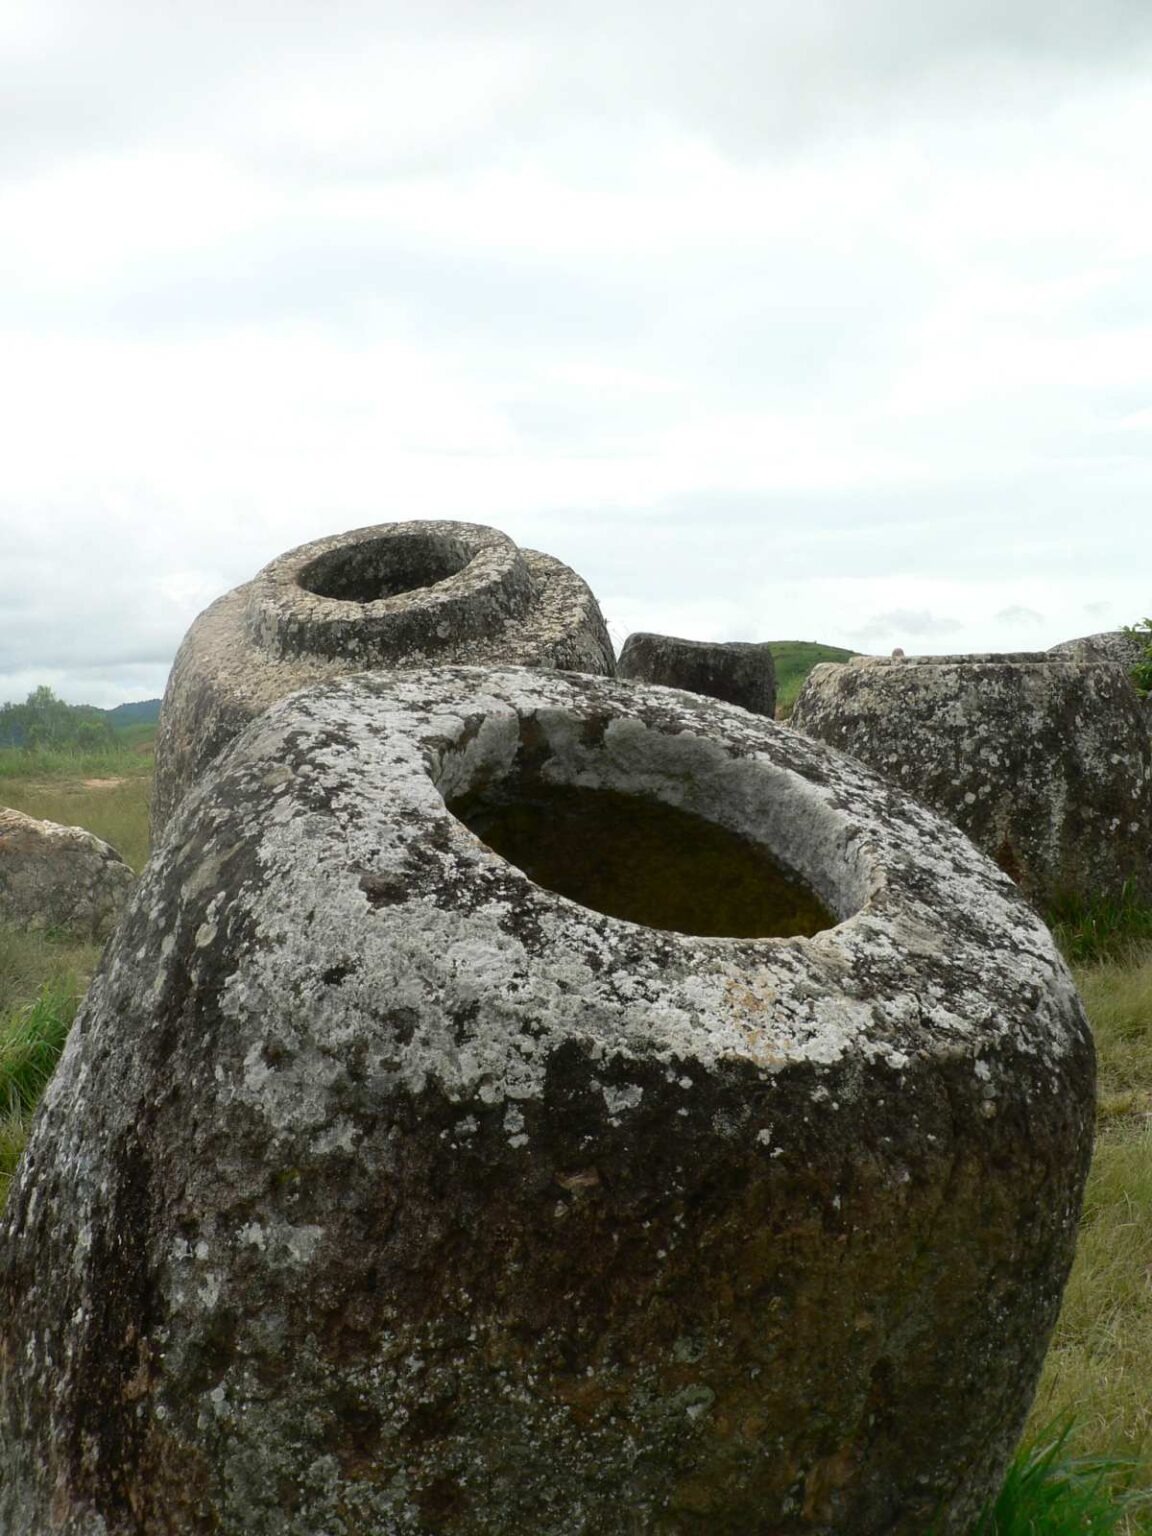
[[116, 1365], [384, 890]]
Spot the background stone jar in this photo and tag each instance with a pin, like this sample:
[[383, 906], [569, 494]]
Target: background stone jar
[[1045, 762], [733, 670], [394, 595], [394, 1183]]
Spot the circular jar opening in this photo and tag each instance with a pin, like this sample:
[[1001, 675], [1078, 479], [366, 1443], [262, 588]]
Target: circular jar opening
[[373, 569], [640, 859]]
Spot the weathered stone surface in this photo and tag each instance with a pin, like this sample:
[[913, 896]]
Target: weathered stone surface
[[382, 1189], [738, 672], [395, 595], [59, 877], [1044, 762]]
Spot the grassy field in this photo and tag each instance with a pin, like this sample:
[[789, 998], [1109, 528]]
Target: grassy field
[[1099, 1368], [794, 660], [1098, 1375]]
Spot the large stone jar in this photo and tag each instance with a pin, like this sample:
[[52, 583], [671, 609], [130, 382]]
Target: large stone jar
[[1044, 761], [711, 1163], [395, 595]]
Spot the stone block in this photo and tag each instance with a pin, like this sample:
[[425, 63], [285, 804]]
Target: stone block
[[733, 670]]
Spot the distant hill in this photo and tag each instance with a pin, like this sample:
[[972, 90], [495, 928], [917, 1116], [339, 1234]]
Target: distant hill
[[142, 712], [794, 660]]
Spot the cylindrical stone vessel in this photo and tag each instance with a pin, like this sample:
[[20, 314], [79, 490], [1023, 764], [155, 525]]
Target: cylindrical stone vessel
[[394, 595], [1045, 762], [736, 671], [526, 1102]]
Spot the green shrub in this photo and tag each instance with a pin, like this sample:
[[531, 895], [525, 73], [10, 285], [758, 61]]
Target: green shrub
[[1142, 671]]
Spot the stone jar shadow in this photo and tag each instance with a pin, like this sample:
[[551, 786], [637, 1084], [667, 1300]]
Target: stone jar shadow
[[391, 1184]]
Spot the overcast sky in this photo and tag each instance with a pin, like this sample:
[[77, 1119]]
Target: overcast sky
[[826, 319]]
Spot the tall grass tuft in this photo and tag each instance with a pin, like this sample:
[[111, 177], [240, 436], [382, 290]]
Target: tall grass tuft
[[1104, 928], [1050, 1492], [31, 1040], [42, 980]]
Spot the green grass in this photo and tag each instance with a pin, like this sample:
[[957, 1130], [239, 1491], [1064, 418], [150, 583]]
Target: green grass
[[127, 758], [1051, 1490], [138, 736], [1099, 1367], [794, 659], [1104, 929]]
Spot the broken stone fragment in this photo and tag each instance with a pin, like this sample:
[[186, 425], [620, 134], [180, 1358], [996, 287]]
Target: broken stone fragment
[[733, 670], [59, 877], [1044, 761], [385, 1187], [394, 595]]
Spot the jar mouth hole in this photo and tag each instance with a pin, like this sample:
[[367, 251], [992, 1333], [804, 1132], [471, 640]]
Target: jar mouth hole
[[371, 570], [638, 858]]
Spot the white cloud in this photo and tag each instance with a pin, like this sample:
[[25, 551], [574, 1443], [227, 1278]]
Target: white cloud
[[771, 320]]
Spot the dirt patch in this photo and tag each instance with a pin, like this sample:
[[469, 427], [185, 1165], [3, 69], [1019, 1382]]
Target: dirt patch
[[103, 783]]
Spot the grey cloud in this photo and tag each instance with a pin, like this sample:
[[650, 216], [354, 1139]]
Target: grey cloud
[[1017, 613], [918, 623], [749, 76]]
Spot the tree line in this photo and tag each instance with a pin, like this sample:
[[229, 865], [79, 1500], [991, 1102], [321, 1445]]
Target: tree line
[[43, 721]]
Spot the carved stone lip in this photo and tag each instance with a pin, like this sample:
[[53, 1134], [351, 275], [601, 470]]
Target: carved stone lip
[[439, 582]]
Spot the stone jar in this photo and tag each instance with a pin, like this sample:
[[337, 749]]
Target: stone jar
[[59, 877], [1045, 762], [395, 595], [388, 1187], [1110, 645], [733, 670]]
